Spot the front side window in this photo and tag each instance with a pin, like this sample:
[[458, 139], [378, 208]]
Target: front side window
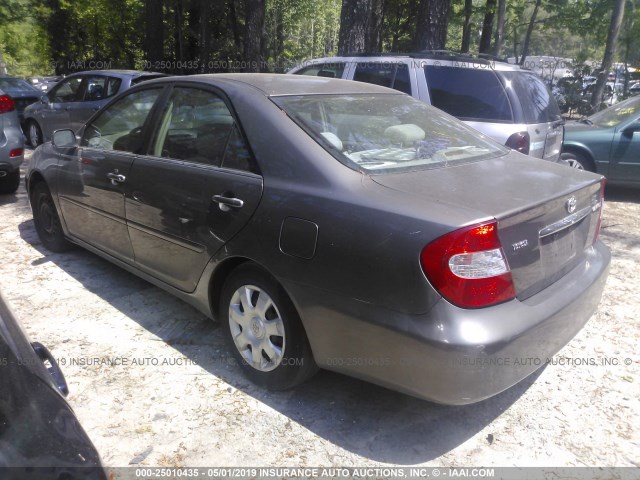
[[468, 93], [385, 133], [66, 91], [120, 126], [389, 75], [328, 70]]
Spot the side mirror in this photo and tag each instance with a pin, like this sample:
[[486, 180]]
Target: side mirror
[[64, 138]]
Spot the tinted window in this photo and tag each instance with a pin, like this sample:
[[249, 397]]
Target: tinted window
[[390, 75], [195, 126], [329, 70], [237, 155], [469, 94], [386, 133], [66, 91], [538, 105], [120, 126], [99, 88]]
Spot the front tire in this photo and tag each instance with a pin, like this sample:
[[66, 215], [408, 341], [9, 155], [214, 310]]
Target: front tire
[[10, 182], [264, 330], [34, 133], [577, 161], [47, 221]]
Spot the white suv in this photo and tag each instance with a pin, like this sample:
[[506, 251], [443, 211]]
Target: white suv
[[509, 104]]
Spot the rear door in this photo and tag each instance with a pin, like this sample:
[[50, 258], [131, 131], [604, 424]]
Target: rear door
[[97, 91], [195, 190], [93, 181], [625, 152]]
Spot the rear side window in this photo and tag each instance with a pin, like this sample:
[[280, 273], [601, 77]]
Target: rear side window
[[385, 74], [469, 94], [538, 105], [99, 88], [328, 70]]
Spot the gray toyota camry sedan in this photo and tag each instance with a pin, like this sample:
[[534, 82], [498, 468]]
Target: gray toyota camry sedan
[[333, 224]]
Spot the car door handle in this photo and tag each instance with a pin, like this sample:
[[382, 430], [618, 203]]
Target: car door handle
[[227, 202], [116, 177]]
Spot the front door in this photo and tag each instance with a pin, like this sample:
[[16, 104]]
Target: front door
[[198, 187], [56, 114], [624, 163], [94, 181]]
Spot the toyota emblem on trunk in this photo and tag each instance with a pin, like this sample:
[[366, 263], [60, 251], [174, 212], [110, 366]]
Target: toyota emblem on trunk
[[571, 204]]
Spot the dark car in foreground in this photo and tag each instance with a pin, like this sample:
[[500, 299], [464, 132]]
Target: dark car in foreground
[[72, 101], [334, 224], [607, 142], [40, 436], [11, 145], [21, 92]]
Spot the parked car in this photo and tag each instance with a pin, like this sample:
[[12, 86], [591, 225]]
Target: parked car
[[21, 92], [334, 224], [44, 84], [634, 89], [40, 436], [607, 142], [11, 145], [73, 100], [501, 100]]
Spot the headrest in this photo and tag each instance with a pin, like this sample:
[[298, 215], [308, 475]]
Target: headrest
[[405, 133], [333, 139]]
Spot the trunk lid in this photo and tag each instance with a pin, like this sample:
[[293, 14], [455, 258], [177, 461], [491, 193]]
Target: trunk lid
[[547, 213]]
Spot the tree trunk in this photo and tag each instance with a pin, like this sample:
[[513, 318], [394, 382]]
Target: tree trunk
[[178, 32], [154, 34], [374, 28], [254, 27], [527, 38], [487, 27], [499, 38], [466, 27], [609, 52], [205, 40], [432, 24], [354, 26]]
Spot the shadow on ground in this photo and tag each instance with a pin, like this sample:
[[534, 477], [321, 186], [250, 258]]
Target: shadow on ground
[[370, 421]]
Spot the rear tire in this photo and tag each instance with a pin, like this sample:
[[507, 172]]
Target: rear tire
[[10, 182], [264, 330], [47, 221], [34, 133]]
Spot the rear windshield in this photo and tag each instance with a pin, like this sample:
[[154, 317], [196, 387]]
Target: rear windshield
[[15, 84], [468, 93], [384, 133], [538, 104]]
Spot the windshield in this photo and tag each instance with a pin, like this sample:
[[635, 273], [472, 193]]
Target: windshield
[[616, 114], [15, 84], [387, 133]]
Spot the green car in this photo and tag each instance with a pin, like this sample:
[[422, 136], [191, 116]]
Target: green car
[[607, 142]]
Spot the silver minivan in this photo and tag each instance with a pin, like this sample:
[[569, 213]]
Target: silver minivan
[[11, 145], [505, 102]]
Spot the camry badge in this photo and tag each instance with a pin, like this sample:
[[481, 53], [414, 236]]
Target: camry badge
[[571, 204]]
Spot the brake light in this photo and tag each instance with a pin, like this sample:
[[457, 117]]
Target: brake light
[[520, 142], [599, 205], [6, 104], [468, 267], [16, 152]]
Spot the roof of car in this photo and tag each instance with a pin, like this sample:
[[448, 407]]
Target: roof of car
[[123, 73], [274, 84]]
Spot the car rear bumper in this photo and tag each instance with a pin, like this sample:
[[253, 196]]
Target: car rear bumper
[[451, 355]]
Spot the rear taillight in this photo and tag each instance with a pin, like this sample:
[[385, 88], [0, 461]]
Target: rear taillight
[[6, 104], [16, 152], [520, 142], [468, 267], [598, 204]]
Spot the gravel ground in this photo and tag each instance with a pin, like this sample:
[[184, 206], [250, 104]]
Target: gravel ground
[[153, 384]]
